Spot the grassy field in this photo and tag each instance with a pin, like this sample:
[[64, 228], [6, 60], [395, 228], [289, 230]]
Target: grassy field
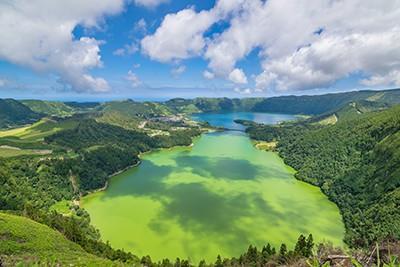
[[30, 138], [263, 145], [62, 207], [39, 130], [28, 243], [328, 120], [7, 152]]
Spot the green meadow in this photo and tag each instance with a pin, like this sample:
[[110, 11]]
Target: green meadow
[[216, 197], [38, 130]]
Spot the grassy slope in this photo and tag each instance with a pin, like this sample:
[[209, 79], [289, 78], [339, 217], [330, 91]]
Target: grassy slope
[[51, 108], [33, 135], [129, 114], [24, 240], [7, 152]]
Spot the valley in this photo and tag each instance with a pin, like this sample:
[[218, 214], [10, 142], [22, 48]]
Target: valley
[[201, 189], [212, 198]]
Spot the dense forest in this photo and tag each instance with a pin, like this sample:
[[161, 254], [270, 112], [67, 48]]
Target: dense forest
[[74, 150], [307, 105], [356, 162]]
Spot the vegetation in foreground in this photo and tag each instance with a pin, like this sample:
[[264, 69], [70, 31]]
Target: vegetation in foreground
[[27, 242]]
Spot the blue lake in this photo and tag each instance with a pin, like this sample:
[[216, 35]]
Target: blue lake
[[226, 120]]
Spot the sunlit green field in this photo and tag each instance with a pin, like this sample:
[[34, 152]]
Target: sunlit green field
[[24, 242], [6, 152], [38, 130], [217, 197]]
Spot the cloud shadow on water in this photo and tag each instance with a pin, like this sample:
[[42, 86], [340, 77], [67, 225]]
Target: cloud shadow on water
[[219, 167]]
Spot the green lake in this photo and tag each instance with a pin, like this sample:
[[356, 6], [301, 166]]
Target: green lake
[[216, 197]]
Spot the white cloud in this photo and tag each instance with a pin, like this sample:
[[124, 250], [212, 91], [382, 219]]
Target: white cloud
[[119, 52], [140, 26], [390, 79], [133, 79], [333, 57], [302, 44], [208, 75], [38, 34], [150, 3], [128, 49], [237, 76], [178, 70], [180, 36], [96, 84], [244, 91]]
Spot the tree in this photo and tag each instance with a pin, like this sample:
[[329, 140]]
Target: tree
[[218, 262], [282, 253]]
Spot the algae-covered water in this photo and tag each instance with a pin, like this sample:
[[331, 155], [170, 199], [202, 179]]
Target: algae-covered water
[[217, 197]]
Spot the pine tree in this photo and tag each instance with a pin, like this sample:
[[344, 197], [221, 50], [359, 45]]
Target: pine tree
[[301, 246], [282, 253], [309, 246], [218, 262]]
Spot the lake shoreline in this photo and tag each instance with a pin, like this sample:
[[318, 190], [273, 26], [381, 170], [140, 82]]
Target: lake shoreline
[[77, 202], [248, 175]]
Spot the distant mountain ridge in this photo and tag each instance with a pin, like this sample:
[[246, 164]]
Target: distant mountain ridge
[[15, 113], [308, 105]]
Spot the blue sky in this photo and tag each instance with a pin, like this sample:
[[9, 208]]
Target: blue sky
[[158, 49]]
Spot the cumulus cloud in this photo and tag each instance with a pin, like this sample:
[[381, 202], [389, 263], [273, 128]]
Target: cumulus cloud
[[178, 70], [390, 79], [180, 36], [39, 35], [237, 76], [208, 75], [150, 3], [133, 79], [302, 44]]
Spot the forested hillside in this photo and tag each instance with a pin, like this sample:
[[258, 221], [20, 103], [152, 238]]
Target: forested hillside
[[14, 113], [50, 108], [356, 162], [309, 105], [319, 104]]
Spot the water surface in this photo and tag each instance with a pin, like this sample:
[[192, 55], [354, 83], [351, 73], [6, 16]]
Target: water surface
[[226, 120], [216, 197]]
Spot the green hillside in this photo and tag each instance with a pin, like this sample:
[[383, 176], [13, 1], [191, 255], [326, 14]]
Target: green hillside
[[129, 114], [308, 105], [351, 110], [24, 240], [319, 104], [13, 113], [50, 108], [203, 104], [356, 162]]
